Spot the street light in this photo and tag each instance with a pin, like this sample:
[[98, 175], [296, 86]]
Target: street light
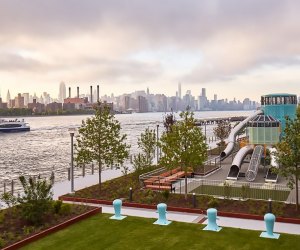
[[72, 132], [270, 206], [157, 157], [205, 130]]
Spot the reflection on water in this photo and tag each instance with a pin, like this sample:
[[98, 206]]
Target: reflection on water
[[46, 147]]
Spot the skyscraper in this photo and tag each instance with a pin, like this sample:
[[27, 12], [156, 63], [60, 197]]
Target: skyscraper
[[8, 99], [179, 90], [26, 99], [62, 92], [203, 92]]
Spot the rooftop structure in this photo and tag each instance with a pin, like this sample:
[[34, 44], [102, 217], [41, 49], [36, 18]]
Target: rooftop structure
[[279, 106]]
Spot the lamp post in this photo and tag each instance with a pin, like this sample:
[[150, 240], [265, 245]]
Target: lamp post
[[205, 130], [157, 149], [72, 132], [270, 206]]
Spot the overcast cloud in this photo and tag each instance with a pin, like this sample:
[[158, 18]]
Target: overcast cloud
[[233, 48]]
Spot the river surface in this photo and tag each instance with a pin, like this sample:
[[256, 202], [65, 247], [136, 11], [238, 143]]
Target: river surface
[[47, 146]]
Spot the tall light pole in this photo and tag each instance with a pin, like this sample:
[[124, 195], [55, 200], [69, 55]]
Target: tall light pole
[[157, 149], [72, 132], [205, 130]]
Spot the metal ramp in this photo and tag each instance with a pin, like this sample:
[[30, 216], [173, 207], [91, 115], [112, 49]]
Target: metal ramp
[[254, 163], [271, 176]]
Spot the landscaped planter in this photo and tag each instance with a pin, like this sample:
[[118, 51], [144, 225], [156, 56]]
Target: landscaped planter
[[53, 229], [179, 209]]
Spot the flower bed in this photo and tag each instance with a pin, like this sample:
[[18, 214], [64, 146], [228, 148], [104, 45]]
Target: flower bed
[[119, 188]]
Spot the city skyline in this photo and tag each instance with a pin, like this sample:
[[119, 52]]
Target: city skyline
[[232, 48], [137, 101]]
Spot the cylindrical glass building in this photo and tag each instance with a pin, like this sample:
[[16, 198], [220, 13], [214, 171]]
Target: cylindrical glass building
[[279, 106]]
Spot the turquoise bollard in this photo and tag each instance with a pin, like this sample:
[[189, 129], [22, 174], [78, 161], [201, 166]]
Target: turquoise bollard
[[269, 220], [162, 219], [212, 220], [117, 204]]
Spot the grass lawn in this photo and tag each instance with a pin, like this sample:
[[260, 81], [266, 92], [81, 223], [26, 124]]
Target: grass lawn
[[99, 232], [252, 193]]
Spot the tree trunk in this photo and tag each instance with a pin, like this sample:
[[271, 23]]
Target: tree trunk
[[296, 182], [185, 188], [100, 172]]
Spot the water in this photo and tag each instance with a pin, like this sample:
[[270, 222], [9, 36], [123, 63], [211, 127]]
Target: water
[[47, 146]]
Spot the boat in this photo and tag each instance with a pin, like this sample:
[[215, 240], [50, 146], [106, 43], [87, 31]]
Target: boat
[[14, 125]]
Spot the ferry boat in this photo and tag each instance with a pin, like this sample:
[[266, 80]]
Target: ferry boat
[[14, 125]]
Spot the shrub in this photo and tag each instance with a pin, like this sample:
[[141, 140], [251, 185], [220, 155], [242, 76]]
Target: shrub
[[65, 209], [8, 199], [57, 206], [213, 203], [28, 230], [36, 200], [165, 194], [2, 242], [227, 190], [245, 191]]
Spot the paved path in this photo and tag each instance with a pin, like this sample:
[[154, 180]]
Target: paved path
[[196, 218], [64, 187]]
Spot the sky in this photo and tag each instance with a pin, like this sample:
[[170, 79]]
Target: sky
[[232, 48]]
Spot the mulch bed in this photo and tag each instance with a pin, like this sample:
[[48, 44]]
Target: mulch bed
[[119, 188], [14, 228]]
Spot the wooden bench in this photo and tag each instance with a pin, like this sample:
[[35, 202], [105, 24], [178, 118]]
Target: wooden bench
[[156, 187]]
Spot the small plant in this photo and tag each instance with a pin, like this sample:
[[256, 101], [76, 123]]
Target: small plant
[[28, 230], [2, 242], [57, 206], [8, 199], [166, 194], [212, 203], [245, 191], [227, 190], [278, 208], [65, 209]]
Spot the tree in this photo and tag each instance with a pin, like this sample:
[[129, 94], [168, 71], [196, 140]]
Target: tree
[[222, 131], [169, 121], [288, 154], [147, 143], [139, 163], [184, 145], [36, 200], [100, 140]]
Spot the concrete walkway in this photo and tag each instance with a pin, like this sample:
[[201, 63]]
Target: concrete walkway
[[196, 218], [64, 187]]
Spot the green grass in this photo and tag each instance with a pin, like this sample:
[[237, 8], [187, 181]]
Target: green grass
[[99, 232], [252, 193]]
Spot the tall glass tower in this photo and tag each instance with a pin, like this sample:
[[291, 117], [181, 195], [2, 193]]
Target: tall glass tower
[[62, 92]]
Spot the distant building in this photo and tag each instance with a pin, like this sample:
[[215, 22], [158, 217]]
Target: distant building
[[3, 105], [26, 99], [36, 107], [62, 92], [142, 104], [8, 99], [54, 107], [69, 106], [79, 103], [19, 102]]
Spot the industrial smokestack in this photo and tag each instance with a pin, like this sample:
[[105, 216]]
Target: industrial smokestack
[[77, 92], [98, 93], [69, 92], [91, 94]]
